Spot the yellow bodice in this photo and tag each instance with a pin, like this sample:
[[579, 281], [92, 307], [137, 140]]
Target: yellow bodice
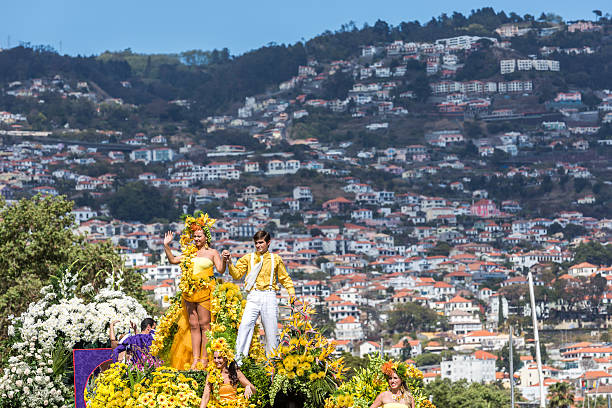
[[202, 267], [394, 405], [226, 391]]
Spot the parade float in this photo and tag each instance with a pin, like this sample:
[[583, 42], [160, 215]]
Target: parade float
[[303, 371], [60, 356]]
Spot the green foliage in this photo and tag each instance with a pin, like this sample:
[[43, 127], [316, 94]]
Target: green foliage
[[37, 242], [420, 87], [561, 395], [140, 63], [479, 65], [503, 359], [593, 252], [258, 376], [572, 231], [157, 79], [462, 394], [354, 363], [407, 317], [320, 124], [426, 359], [338, 85], [231, 137], [441, 248], [543, 352], [141, 202], [580, 184]]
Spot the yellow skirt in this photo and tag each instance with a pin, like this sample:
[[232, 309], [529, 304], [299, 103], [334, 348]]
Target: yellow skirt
[[181, 355]]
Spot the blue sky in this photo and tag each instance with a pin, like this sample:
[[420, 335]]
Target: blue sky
[[90, 27]]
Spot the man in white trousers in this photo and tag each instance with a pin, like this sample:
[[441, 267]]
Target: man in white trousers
[[263, 270]]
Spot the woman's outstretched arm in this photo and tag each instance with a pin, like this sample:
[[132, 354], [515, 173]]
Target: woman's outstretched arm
[[205, 395], [249, 389], [167, 240], [378, 401]]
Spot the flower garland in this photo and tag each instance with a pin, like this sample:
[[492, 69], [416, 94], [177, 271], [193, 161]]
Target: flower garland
[[166, 329]]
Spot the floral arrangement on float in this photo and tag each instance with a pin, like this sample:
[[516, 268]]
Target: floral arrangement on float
[[303, 366], [145, 386], [43, 337], [227, 305], [361, 390]]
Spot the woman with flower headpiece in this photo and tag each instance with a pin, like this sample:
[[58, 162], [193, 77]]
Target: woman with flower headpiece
[[197, 262], [223, 378], [398, 395]]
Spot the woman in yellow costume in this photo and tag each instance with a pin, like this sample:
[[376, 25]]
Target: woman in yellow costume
[[198, 261], [223, 379], [398, 395]]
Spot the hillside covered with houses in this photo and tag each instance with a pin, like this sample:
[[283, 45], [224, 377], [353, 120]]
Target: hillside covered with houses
[[411, 177]]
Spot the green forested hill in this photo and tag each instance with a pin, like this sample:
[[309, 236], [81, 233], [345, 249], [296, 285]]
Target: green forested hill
[[214, 80]]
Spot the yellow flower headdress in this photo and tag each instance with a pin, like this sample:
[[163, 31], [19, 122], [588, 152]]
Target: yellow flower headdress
[[192, 224], [402, 370], [221, 346]]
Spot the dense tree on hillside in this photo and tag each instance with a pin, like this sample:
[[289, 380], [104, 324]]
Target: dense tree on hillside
[[426, 359], [211, 87], [503, 359], [231, 137], [593, 252], [338, 85], [461, 394], [144, 203], [409, 316], [479, 65]]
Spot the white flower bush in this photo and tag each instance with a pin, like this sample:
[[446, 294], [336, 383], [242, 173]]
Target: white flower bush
[[59, 320]]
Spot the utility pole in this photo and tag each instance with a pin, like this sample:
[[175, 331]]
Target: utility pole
[[536, 337], [511, 348]]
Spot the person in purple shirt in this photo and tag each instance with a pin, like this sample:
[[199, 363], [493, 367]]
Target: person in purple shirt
[[134, 344]]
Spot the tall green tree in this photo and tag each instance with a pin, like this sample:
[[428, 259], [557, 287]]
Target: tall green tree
[[561, 395], [503, 359], [37, 240]]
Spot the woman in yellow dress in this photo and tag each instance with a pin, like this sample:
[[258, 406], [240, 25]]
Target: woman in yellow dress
[[398, 395], [225, 379], [197, 284]]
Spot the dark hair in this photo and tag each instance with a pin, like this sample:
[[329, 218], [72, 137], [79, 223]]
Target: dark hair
[[232, 368], [261, 234], [146, 322]]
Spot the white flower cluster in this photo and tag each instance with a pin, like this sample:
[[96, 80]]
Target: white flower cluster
[[28, 381]]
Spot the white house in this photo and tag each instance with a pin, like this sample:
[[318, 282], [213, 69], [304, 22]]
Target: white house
[[368, 347], [349, 328], [477, 367]]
